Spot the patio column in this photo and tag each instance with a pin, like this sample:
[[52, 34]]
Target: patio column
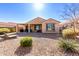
[[28, 28], [16, 28], [24, 28]]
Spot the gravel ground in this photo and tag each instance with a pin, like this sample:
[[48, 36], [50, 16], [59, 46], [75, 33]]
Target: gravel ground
[[40, 47]]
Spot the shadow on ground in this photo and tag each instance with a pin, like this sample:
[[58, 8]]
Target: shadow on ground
[[40, 35], [21, 51], [76, 53], [69, 53]]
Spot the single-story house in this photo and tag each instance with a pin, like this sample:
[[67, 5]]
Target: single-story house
[[40, 25], [36, 25]]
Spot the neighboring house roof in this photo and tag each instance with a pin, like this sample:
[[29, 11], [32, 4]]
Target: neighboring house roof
[[37, 20], [7, 24], [60, 24]]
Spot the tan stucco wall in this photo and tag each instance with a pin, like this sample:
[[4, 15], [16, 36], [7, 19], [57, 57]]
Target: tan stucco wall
[[19, 26], [32, 27], [50, 21], [43, 27]]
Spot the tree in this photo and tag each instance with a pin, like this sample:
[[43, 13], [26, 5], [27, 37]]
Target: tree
[[71, 13]]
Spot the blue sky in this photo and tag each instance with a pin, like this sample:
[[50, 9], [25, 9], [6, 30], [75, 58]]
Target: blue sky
[[23, 12]]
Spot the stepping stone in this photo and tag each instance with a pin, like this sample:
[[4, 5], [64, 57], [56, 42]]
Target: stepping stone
[[77, 37], [1, 38]]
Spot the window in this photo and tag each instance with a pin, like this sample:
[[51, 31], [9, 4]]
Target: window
[[37, 27], [50, 26]]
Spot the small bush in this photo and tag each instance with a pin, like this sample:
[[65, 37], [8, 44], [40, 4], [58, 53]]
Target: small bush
[[26, 41], [69, 33], [4, 30], [68, 45], [12, 29]]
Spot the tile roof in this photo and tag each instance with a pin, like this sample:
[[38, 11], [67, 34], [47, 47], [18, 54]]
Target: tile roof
[[40, 20], [37, 20], [54, 20]]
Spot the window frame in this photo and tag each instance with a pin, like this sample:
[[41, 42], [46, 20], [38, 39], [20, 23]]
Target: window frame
[[52, 26]]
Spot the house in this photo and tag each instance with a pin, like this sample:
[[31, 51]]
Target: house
[[36, 25], [40, 25]]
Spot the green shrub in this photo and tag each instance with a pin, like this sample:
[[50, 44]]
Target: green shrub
[[4, 30], [70, 33], [26, 41], [12, 29], [68, 45]]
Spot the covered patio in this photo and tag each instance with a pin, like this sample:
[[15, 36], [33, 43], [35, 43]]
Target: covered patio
[[34, 25], [33, 28]]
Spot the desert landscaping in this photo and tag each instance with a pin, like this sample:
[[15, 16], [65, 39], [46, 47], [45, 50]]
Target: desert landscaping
[[42, 45]]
